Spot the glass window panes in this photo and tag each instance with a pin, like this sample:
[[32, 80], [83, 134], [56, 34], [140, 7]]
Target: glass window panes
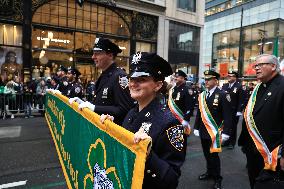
[[184, 37], [90, 17], [257, 38], [189, 5]]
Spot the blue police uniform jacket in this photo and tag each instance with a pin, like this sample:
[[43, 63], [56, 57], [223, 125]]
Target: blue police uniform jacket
[[162, 168], [63, 85], [112, 94], [74, 89], [221, 111], [236, 96], [183, 100]]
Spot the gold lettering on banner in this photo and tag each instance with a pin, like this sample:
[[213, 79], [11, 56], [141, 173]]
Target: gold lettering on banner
[[66, 157], [4, 2], [58, 114]]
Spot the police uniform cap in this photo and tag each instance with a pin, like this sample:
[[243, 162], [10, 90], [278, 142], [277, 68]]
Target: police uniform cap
[[180, 73], [74, 71], [62, 68], [208, 74], [233, 73], [144, 64], [103, 44], [56, 79]]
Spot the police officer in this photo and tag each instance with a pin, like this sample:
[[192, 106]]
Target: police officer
[[150, 120], [112, 93], [74, 88], [235, 95], [213, 111], [63, 85], [90, 91], [181, 95], [262, 135], [55, 82]]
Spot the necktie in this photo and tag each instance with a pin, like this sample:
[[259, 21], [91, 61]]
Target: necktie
[[207, 95]]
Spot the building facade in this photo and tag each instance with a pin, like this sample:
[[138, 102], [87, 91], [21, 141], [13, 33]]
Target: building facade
[[37, 36], [235, 32]]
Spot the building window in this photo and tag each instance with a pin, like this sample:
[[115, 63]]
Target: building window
[[184, 46], [257, 39], [64, 34], [189, 5]]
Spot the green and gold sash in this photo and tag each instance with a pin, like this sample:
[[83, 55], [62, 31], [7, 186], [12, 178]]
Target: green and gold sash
[[211, 126], [177, 112], [270, 158]]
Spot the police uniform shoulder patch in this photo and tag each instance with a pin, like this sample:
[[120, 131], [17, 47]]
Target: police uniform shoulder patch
[[77, 90], [228, 97], [123, 82], [175, 136]]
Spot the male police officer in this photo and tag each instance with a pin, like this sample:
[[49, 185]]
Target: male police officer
[[112, 94], [63, 85], [235, 95], [263, 133], [74, 89], [181, 95], [214, 111]]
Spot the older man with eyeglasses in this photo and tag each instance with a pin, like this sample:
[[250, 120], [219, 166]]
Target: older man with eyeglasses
[[263, 129]]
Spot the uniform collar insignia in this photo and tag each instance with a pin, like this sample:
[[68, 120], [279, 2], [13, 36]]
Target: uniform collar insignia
[[147, 114]]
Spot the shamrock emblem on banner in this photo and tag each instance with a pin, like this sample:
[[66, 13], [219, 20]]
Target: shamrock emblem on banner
[[100, 176]]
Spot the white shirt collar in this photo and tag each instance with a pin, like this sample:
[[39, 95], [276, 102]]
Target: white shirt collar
[[231, 84], [211, 91]]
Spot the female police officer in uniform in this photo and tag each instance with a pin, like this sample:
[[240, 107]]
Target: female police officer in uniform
[[149, 120]]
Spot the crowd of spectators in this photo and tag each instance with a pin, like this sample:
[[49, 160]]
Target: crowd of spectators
[[27, 97]]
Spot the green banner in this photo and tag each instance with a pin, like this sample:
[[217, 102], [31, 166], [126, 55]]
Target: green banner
[[93, 155]]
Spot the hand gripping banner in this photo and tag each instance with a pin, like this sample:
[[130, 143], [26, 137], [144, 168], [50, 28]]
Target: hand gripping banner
[[94, 155]]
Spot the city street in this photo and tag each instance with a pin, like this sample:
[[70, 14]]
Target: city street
[[29, 160]]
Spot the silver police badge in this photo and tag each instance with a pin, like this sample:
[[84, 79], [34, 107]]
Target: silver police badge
[[175, 136], [105, 91], [146, 126], [100, 179], [77, 90], [123, 82], [228, 97]]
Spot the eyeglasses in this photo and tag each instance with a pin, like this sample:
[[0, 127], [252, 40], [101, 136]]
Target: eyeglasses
[[260, 65]]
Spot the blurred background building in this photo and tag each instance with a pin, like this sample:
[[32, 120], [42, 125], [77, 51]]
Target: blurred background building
[[236, 31], [43, 34]]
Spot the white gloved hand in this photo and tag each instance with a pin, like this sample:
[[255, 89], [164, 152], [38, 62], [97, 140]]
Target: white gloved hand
[[185, 123], [49, 90], [87, 105], [225, 137], [75, 99], [239, 114], [196, 132], [56, 92]]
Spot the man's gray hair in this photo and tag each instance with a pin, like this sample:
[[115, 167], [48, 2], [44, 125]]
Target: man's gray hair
[[270, 59]]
